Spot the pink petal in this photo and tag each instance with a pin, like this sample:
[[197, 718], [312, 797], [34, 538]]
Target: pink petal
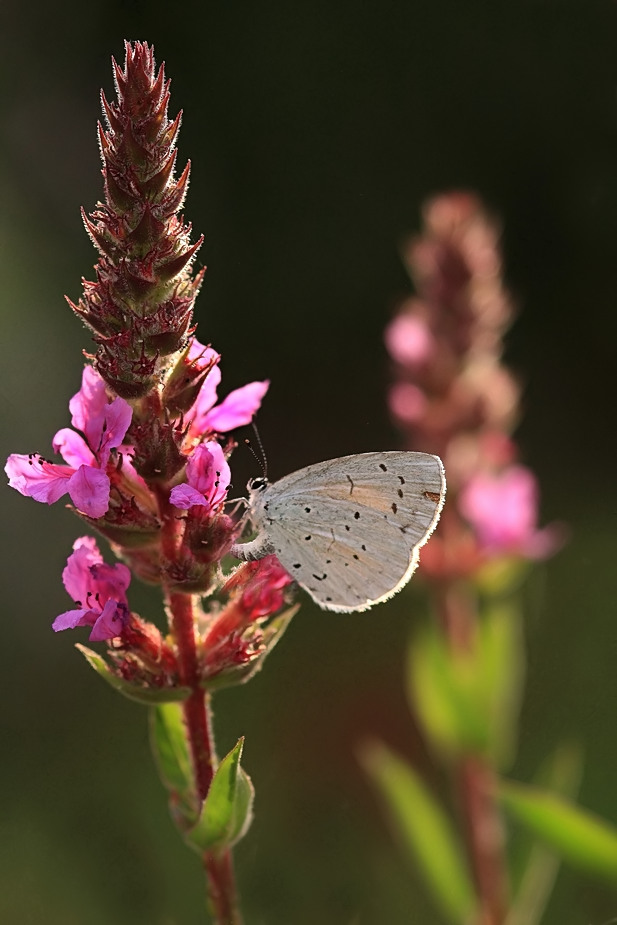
[[208, 471], [76, 575], [73, 448], [104, 424], [184, 497], [70, 619], [204, 402], [407, 402], [87, 406], [201, 357], [110, 581], [36, 478], [503, 508], [89, 490], [110, 623], [237, 409], [117, 420], [409, 340]]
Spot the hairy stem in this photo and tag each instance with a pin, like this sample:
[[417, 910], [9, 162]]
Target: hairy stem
[[221, 886], [222, 895]]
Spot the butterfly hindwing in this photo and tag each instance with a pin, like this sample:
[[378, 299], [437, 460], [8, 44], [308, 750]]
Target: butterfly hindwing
[[349, 529]]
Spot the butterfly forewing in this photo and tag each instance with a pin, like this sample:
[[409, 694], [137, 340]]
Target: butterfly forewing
[[348, 529]]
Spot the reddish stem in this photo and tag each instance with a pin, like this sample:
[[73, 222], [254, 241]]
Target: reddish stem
[[197, 715], [484, 837], [475, 779], [222, 889]]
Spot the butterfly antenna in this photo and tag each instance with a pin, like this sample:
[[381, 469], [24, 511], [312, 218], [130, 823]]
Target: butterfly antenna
[[264, 459], [260, 459]]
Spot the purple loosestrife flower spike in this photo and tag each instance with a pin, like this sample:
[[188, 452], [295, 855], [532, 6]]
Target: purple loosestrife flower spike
[[144, 463]]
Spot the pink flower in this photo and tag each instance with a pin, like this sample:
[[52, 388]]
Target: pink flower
[[407, 402], [208, 476], [99, 591], [409, 340], [103, 425], [237, 409], [263, 592], [503, 510]]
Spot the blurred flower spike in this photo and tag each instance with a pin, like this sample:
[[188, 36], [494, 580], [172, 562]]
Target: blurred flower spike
[[453, 396]]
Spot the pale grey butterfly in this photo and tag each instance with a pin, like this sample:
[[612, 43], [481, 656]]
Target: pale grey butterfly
[[349, 530]]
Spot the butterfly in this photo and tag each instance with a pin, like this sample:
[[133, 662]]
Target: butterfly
[[348, 530]]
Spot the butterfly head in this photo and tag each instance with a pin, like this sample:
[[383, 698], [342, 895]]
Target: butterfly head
[[257, 485]]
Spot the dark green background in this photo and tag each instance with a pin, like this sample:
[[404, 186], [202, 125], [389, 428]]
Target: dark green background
[[315, 129]]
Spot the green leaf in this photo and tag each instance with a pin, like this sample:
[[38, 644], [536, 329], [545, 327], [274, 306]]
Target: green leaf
[[502, 576], [442, 692], [227, 810], [539, 865], [578, 836], [424, 829], [136, 692], [172, 756], [500, 676], [468, 698]]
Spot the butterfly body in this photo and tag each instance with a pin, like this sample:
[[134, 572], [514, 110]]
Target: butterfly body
[[348, 530]]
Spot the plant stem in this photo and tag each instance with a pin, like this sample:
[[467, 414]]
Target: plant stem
[[197, 710], [484, 838], [222, 894], [475, 779]]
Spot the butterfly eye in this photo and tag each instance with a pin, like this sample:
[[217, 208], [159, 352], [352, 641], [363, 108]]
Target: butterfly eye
[[258, 484]]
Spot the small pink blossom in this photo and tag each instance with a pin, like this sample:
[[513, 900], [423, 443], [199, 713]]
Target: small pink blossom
[[104, 425], [409, 340], [263, 593], [256, 590], [208, 477], [237, 409], [98, 589], [407, 402], [503, 511]]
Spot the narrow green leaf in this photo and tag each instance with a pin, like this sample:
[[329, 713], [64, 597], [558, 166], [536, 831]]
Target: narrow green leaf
[[501, 675], [227, 810], [578, 836], [136, 692], [442, 691], [424, 829], [171, 752], [539, 865]]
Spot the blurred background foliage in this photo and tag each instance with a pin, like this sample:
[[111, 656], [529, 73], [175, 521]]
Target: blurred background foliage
[[316, 130]]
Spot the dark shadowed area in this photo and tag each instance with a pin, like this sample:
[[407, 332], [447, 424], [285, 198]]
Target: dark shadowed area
[[315, 131]]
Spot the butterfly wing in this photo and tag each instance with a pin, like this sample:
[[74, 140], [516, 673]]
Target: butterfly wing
[[349, 530]]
